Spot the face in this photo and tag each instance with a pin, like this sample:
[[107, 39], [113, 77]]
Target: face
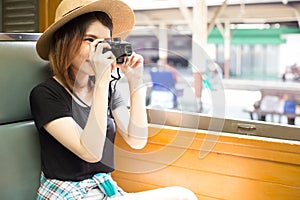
[[96, 30]]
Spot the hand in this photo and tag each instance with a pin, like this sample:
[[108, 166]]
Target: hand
[[102, 63], [133, 69]]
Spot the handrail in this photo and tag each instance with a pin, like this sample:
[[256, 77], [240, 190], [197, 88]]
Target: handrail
[[19, 36], [217, 125]]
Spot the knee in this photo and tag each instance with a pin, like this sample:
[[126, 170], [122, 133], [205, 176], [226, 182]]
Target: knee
[[183, 193]]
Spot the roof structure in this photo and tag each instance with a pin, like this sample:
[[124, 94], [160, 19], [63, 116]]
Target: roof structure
[[176, 12]]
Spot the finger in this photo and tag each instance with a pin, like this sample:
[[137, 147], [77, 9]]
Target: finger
[[139, 59], [113, 65], [123, 66], [133, 61], [125, 62], [101, 46], [128, 60], [110, 55], [95, 43]]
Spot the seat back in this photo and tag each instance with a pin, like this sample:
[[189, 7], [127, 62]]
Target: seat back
[[163, 91], [20, 70], [162, 80]]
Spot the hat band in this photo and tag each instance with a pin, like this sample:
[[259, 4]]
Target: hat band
[[71, 11]]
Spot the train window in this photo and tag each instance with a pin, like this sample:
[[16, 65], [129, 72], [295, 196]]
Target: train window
[[219, 97], [19, 16]]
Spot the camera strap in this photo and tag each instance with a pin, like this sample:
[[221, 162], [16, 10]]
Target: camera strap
[[112, 89]]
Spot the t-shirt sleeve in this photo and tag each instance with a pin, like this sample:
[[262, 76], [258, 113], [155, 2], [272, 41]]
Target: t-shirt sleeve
[[47, 106], [117, 100]]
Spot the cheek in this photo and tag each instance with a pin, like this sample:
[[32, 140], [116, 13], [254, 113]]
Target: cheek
[[82, 56], [85, 65], [84, 51]]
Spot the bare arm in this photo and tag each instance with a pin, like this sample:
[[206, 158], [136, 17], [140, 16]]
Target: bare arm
[[133, 126], [87, 143]]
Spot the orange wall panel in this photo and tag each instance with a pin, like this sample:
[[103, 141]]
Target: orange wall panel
[[47, 13], [238, 167]]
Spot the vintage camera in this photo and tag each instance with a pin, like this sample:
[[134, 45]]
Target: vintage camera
[[119, 48]]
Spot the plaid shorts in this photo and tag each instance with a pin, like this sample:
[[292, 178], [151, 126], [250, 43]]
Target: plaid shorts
[[71, 190]]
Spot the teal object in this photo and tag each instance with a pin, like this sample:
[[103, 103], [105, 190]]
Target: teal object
[[207, 84], [106, 184], [109, 187]]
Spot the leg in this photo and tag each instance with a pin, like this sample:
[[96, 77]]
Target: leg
[[198, 89], [168, 193], [291, 120], [251, 115], [262, 117], [175, 104]]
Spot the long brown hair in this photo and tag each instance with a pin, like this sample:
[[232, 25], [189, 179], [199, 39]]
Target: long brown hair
[[66, 43]]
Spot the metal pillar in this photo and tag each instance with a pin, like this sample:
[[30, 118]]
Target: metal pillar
[[227, 38], [199, 28], [163, 42]]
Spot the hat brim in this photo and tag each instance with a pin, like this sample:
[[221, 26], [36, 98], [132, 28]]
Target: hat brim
[[120, 13]]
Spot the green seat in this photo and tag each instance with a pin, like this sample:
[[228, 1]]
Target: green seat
[[20, 70], [20, 165], [20, 161]]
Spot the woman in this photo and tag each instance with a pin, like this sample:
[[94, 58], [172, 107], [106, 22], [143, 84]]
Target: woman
[[78, 109]]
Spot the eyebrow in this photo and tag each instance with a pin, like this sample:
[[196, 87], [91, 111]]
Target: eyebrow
[[95, 37], [90, 35]]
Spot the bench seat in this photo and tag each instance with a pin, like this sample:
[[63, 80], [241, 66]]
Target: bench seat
[[290, 94], [20, 70], [20, 166]]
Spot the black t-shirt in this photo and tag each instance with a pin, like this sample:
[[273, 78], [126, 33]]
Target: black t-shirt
[[50, 101]]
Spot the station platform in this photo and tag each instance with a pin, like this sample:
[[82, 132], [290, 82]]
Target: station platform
[[239, 94]]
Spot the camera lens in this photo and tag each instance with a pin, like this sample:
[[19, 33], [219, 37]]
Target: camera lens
[[128, 49]]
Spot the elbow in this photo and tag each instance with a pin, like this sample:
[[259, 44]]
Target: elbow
[[91, 153], [88, 156], [141, 146], [92, 158], [138, 143]]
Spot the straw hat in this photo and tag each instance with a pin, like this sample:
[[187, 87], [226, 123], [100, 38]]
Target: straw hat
[[121, 14]]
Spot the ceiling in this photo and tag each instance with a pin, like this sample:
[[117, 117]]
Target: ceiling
[[169, 12], [159, 4]]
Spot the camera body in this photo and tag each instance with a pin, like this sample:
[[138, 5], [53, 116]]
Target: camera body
[[119, 48]]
